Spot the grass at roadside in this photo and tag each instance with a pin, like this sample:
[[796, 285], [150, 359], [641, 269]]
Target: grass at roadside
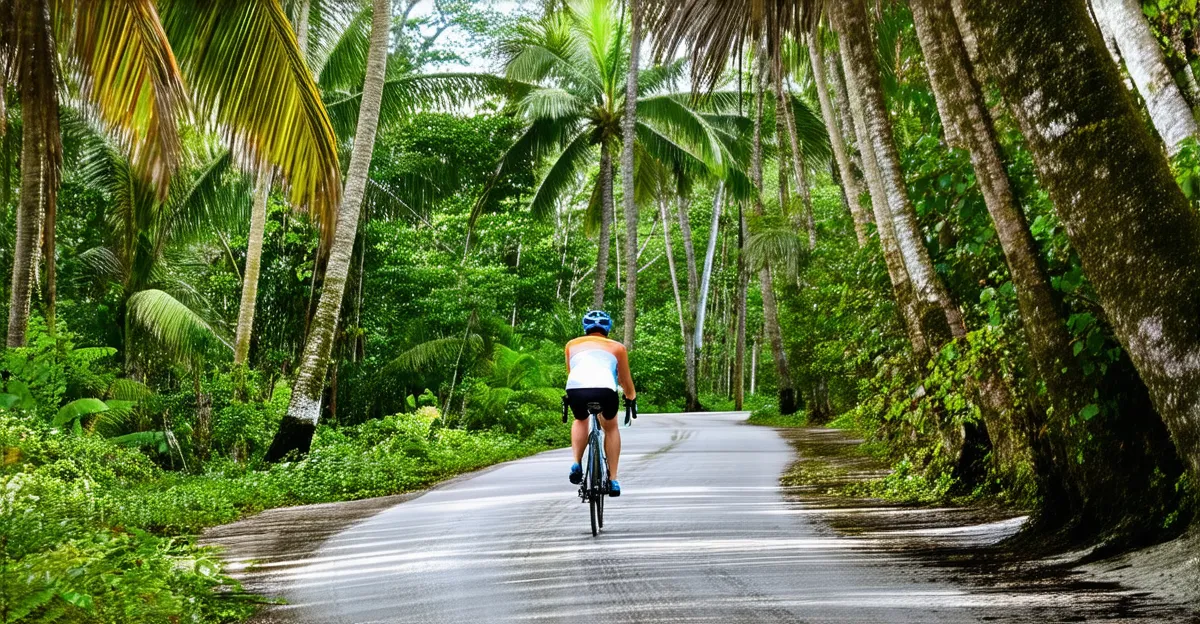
[[94, 532]]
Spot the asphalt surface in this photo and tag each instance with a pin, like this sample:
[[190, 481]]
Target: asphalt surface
[[703, 533]]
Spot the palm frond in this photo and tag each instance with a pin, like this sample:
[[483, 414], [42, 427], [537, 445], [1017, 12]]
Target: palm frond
[[127, 70], [179, 330], [242, 62], [781, 247], [811, 132], [563, 174], [685, 125], [215, 198], [437, 352], [716, 30], [343, 63], [412, 93]]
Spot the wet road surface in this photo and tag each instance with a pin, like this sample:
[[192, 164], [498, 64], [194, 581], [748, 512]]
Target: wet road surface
[[703, 533]]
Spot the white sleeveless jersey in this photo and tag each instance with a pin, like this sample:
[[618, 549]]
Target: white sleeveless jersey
[[592, 366]]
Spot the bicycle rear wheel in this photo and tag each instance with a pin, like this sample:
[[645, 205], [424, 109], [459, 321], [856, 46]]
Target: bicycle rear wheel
[[600, 511], [595, 485]]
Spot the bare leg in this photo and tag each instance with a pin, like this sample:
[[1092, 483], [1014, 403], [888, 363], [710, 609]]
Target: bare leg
[[612, 445], [579, 436]]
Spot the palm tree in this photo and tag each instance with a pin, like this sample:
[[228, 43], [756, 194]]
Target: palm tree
[[296, 429], [148, 238], [124, 56], [575, 63]]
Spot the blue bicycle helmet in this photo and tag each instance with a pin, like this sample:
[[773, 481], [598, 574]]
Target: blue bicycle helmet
[[597, 320]]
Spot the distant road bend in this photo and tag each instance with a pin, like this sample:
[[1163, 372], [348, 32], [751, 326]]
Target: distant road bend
[[703, 533]]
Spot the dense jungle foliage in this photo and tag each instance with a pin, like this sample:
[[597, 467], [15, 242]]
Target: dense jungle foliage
[[337, 263]]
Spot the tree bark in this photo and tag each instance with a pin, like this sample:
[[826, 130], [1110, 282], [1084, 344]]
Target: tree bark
[[940, 318], [714, 231], [1147, 66], [783, 99], [743, 288], [841, 153], [902, 288], [787, 393], [1125, 216], [49, 227], [258, 224], [296, 429], [684, 324], [40, 157], [603, 246], [628, 121], [961, 98]]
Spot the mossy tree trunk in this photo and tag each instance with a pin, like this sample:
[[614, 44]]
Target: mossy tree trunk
[[1125, 216], [296, 429]]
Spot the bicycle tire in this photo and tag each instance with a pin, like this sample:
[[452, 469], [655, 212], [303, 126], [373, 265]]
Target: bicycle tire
[[596, 485]]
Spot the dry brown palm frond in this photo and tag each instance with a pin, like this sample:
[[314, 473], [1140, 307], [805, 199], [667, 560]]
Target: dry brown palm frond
[[716, 30]]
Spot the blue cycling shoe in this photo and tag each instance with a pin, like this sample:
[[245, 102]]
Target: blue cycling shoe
[[576, 474], [614, 488]]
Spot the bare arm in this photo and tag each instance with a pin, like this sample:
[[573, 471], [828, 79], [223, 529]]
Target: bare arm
[[624, 377]]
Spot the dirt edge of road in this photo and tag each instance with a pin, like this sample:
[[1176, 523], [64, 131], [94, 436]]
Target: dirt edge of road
[[964, 542]]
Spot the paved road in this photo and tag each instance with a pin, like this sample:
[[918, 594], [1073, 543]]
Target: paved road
[[702, 534]]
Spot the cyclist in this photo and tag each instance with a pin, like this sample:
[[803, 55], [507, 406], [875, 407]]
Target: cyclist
[[595, 367]]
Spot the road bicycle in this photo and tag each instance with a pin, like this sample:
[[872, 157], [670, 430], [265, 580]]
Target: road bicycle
[[595, 477]]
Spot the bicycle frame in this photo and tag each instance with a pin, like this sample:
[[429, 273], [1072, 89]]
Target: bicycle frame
[[597, 463]]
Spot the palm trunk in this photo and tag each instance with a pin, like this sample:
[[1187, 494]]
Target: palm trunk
[[48, 252], [939, 316], [841, 153], [1112, 186], [296, 429], [738, 375], [29, 214], [258, 224], [628, 122], [960, 96], [714, 231], [902, 288], [603, 246], [684, 327], [783, 99], [1147, 66]]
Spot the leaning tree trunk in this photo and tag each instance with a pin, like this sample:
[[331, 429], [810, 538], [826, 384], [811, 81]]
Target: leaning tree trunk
[[684, 323], [604, 244], [1137, 238], [961, 101], [940, 317], [710, 252], [296, 429], [628, 121], [841, 152], [785, 125], [1147, 66], [902, 288], [258, 224]]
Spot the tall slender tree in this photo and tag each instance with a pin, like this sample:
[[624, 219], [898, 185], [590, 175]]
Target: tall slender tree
[[296, 429], [841, 151], [628, 128]]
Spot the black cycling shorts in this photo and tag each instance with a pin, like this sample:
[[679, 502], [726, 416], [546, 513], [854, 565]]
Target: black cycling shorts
[[578, 399]]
